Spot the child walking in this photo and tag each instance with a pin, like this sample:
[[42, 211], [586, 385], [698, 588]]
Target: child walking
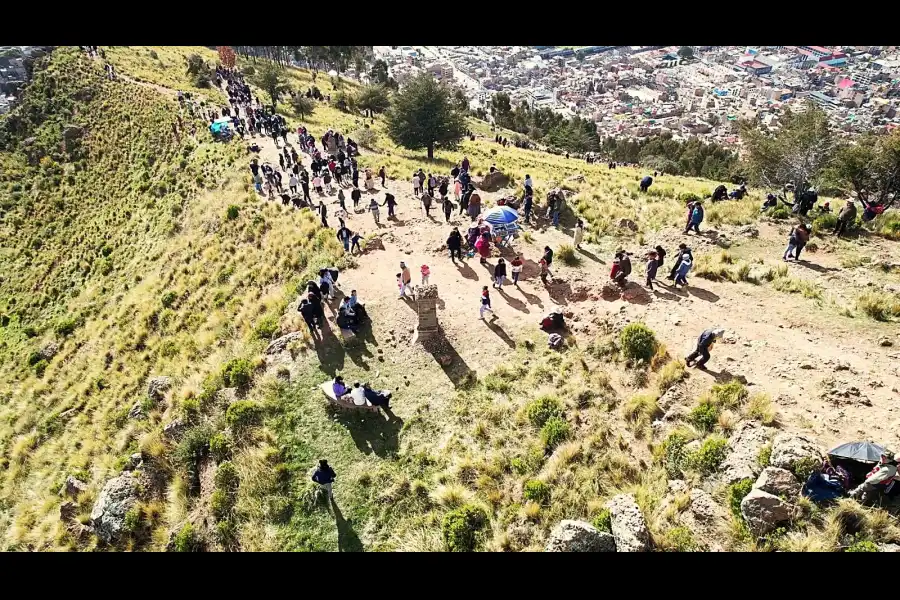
[[425, 273], [652, 266], [516, 269], [486, 304]]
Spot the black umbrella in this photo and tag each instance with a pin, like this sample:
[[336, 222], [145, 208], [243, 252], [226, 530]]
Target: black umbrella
[[859, 451]]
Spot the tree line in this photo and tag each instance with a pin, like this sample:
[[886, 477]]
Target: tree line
[[692, 157]]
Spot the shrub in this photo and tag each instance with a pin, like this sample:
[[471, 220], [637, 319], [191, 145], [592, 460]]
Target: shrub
[[461, 528], [670, 374], [267, 327], [780, 212], [537, 491], [132, 520], [680, 539], [805, 467], [220, 504], [567, 255], [186, 539], [824, 222], [543, 408], [219, 447], [367, 138], [759, 407], [879, 305], [641, 409], [765, 456], [554, 432], [603, 521], [232, 213], [673, 454], [237, 373], [66, 326], [226, 477], [638, 342], [493, 383], [736, 492], [685, 197], [704, 416], [168, 299], [863, 546], [243, 413], [710, 455], [728, 395], [190, 451]]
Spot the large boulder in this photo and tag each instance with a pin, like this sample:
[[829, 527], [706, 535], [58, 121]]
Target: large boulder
[[157, 387], [764, 511], [493, 181], [280, 345], [628, 525], [706, 519], [788, 449], [742, 461], [780, 482], [578, 536], [115, 500]]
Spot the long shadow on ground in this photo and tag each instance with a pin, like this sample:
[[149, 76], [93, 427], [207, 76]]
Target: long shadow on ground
[[454, 366]]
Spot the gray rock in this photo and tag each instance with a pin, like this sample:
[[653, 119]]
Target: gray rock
[[779, 482], [763, 511], [628, 224], [704, 508], [677, 486], [74, 487], [706, 519], [749, 231], [788, 449], [889, 547], [280, 345], [115, 500], [67, 511], [628, 525], [174, 429], [136, 412], [745, 444], [134, 461], [157, 387], [49, 350], [578, 536], [226, 395]]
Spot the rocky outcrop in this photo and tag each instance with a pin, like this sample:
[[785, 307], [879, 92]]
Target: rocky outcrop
[[745, 444], [628, 525], [788, 449], [889, 547], [578, 536], [157, 387], [49, 350], [628, 224], [280, 345], [779, 482], [174, 429], [706, 519], [74, 487], [493, 181], [763, 511], [115, 500]]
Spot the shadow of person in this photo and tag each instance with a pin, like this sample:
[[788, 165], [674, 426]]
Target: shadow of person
[[531, 298], [635, 294], [466, 271], [501, 333], [724, 376], [370, 432], [329, 351], [515, 303], [591, 255], [814, 266], [348, 541], [661, 293], [701, 294]]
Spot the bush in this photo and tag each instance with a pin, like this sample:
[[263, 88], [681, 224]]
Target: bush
[[40, 367], [462, 527], [537, 491], [780, 212], [169, 299], [760, 407], [710, 455], [765, 456], [554, 432], [367, 138], [267, 327], [728, 395], [34, 358], [232, 213], [186, 539], [66, 326], [805, 467], [638, 342], [879, 305], [603, 521], [237, 373], [680, 539], [863, 546], [243, 413], [686, 197], [219, 447], [824, 222], [190, 451], [704, 416], [736, 492], [673, 454], [543, 408], [220, 504], [566, 253], [226, 477], [641, 409], [670, 374]]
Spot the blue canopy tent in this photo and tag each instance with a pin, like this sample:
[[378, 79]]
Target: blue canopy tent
[[502, 220]]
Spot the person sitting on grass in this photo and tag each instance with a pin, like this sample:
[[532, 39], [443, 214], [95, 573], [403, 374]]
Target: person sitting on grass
[[704, 344]]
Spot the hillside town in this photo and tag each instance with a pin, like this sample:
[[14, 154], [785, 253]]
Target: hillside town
[[684, 91]]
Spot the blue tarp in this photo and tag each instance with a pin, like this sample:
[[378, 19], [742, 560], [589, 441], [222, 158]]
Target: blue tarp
[[820, 489], [501, 215]]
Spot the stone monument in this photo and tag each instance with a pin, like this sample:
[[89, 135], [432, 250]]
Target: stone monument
[[426, 307]]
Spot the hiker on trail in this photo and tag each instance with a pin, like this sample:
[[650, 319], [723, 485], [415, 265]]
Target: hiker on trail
[[483, 247], [432, 183], [425, 272], [578, 234], [405, 279], [426, 203], [257, 183], [341, 199], [337, 175], [486, 304], [845, 217], [684, 267], [457, 190], [324, 476], [370, 181], [443, 187], [516, 265], [355, 195], [417, 185], [326, 179], [344, 235], [383, 176], [354, 243], [390, 202], [557, 209], [548, 256], [696, 218], [798, 238], [529, 188], [499, 273], [464, 165], [293, 182], [704, 344], [323, 212], [304, 185], [309, 310], [882, 478], [621, 268], [464, 200], [527, 205], [683, 251], [465, 179], [317, 184], [454, 244], [646, 182], [474, 208], [373, 208], [281, 161], [652, 266], [448, 208], [545, 269]]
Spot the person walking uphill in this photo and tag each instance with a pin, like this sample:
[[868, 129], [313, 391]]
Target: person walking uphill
[[683, 251], [704, 344], [448, 209], [344, 235], [454, 244], [324, 475], [390, 202], [652, 266], [696, 218], [845, 218]]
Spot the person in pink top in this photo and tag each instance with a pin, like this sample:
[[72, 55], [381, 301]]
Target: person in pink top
[[425, 273], [457, 189]]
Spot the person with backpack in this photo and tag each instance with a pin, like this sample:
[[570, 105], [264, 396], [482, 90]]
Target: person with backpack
[[684, 267], [705, 343], [324, 475], [696, 217]]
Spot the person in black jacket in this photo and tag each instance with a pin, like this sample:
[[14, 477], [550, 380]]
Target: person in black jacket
[[683, 250], [660, 256], [454, 244], [324, 475], [309, 310], [704, 343], [390, 202], [499, 273], [355, 195]]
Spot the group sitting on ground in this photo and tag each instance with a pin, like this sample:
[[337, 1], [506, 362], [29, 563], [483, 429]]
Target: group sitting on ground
[[361, 394]]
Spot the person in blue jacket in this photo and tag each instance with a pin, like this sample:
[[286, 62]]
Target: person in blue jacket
[[646, 182], [324, 476], [696, 217], [704, 344]]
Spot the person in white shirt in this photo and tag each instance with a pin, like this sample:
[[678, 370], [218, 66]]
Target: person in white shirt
[[358, 395], [528, 181]]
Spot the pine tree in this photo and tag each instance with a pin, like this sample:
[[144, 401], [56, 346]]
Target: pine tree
[[422, 115]]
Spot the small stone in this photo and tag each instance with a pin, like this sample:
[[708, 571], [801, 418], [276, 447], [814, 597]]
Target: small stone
[[74, 487], [885, 342]]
